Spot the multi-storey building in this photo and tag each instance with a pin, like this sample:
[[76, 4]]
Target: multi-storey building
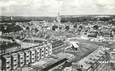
[[93, 61], [25, 56]]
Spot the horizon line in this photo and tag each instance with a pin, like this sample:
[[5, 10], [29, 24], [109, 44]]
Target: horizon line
[[61, 15]]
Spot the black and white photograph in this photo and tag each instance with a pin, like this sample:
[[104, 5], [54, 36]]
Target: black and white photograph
[[57, 35]]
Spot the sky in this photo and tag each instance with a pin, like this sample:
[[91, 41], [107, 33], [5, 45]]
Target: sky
[[52, 7]]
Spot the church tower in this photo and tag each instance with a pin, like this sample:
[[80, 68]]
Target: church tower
[[58, 18]]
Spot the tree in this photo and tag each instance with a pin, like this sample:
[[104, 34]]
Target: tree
[[75, 26], [95, 27], [54, 27], [67, 27]]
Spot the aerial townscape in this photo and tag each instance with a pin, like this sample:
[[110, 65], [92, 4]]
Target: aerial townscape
[[61, 43]]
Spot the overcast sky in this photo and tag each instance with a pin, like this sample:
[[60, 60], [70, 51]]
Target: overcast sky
[[51, 7]]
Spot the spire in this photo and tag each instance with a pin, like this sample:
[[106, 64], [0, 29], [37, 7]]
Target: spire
[[58, 17], [11, 18]]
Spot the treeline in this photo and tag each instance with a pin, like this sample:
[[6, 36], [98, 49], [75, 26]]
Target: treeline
[[25, 19], [64, 19], [85, 19]]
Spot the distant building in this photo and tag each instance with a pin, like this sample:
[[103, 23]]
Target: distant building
[[112, 59], [92, 34]]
